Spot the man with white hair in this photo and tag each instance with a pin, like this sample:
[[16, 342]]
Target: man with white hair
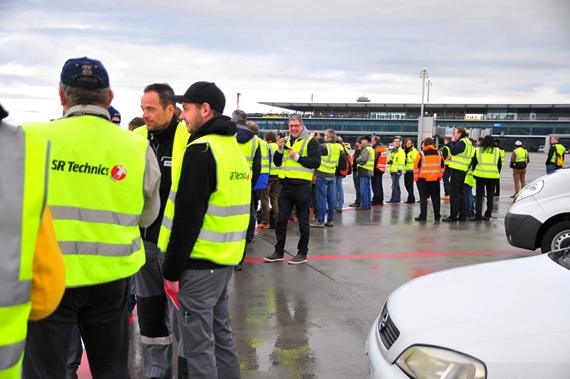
[[519, 161]]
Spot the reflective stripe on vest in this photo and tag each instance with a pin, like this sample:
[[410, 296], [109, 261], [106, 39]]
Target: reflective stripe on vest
[[382, 158], [273, 147], [462, 160], [369, 164], [248, 149], [291, 168], [23, 180], [430, 168], [330, 161], [398, 158], [487, 163], [222, 237], [265, 166], [95, 212], [410, 158]]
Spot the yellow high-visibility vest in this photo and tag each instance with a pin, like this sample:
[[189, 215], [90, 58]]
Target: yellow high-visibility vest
[[292, 169]]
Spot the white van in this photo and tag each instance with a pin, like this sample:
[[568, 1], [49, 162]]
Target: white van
[[540, 214]]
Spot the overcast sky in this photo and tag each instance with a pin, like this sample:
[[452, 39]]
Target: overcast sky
[[485, 51]]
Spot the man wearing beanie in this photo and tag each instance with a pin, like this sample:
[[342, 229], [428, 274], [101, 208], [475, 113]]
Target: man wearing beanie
[[519, 161], [103, 185], [203, 233]]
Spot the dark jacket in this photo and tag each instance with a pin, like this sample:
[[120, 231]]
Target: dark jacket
[[197, 183], [161, 143]]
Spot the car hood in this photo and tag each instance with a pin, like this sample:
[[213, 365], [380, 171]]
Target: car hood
[[483, 310]]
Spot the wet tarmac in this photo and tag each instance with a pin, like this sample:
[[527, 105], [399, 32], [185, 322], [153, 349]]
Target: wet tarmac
[[312, 320]]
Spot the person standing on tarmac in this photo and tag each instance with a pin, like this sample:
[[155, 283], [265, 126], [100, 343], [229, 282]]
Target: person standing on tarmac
[[461, 150], [203, 233], [325, 183], [380, 159], [428, 171], [298, 156], [486, 163], [447, 173], [396, 165], [555, 156], [168, 138], [411, 153], [32, 274], [250, 146], [519, 161], [104, 184]]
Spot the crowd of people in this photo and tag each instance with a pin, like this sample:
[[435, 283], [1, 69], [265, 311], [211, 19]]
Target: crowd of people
[[166, 211]]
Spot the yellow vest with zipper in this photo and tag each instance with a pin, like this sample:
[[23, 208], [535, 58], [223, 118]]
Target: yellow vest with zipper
[[291, 168], [222, 237], [462, 160], [22, 202], [96, 197], [369, 164], [330, 161]]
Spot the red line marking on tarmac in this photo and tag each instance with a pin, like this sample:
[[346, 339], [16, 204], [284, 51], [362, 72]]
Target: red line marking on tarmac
[[404, 255]]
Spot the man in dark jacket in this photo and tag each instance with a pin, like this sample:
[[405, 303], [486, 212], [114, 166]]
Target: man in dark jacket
[[298, 156]]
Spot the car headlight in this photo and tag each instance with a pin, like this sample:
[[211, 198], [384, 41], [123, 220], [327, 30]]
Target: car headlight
[[530, 190], [427, 362]]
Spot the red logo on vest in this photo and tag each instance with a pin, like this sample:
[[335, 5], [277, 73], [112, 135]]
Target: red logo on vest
[[118, 172]]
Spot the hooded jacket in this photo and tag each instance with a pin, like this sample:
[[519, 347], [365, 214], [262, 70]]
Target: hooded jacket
[[197, 182]]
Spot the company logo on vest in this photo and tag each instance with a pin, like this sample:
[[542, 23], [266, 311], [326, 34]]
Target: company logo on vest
[[234, 175], [117, 173]]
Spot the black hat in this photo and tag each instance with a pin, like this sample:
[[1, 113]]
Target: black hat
[[203, 92], [84, 67]]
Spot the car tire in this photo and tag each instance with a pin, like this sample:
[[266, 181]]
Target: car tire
[[556, 237]]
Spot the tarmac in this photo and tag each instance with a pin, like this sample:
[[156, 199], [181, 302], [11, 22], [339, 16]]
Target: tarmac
[[311, 320]]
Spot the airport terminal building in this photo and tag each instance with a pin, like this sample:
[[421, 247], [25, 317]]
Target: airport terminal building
[[530, 123]]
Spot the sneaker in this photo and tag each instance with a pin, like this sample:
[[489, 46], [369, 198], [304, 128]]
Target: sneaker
[[275, 257], [316, 224], [250, 239], [338, 210], [329, 223], [238, 267], [265, 226], [297, 260], [354, 205]]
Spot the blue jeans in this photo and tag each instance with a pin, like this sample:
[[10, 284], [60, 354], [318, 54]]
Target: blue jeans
[[396, 192], [325, 197], [551, 167], [365, 191], [339, 193]]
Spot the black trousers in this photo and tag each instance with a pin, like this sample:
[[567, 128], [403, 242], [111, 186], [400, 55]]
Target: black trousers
[[457, 195], [377, 189], [484, 186], [290, 196], [429, 190], [409, 184]]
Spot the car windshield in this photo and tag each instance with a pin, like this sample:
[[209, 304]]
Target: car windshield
[[562, 257]]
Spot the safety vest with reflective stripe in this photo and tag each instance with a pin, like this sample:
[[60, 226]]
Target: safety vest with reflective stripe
[[430, 167], [521, 155], [222, 237], [446, 161], [330, 161], [96, 196], [369, 164], [469, 179], [560, 150], [291, 168], [410, 158], [382, 154], [398, 158], [248, 149], [273, 147], [462, 160], [181, 136], [23, 181], [263, 178], [487, 163]]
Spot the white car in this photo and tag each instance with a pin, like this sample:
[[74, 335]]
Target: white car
[[506, 319], [540, 214]]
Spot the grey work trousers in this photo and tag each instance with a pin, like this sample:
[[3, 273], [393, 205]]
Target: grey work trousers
[[206, 337]]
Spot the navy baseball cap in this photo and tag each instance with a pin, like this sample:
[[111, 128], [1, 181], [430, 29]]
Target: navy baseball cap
[[76, 68], [203, 92]]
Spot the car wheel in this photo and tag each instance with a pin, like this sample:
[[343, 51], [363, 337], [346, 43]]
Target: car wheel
[[556, 237]]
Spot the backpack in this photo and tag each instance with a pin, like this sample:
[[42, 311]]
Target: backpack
[[344, 163], [559, 160]]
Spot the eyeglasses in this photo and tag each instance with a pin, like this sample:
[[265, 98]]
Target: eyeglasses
[[295, 125]]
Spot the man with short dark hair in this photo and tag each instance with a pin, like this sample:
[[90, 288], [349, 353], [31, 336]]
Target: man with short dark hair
[[325, 183], [365, 168], [297, 155], [99, 197], [203, 233], [461, 150]]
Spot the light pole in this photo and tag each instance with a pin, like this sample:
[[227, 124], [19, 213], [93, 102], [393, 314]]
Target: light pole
[[238, 95], [428, 85], [423, 75]]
